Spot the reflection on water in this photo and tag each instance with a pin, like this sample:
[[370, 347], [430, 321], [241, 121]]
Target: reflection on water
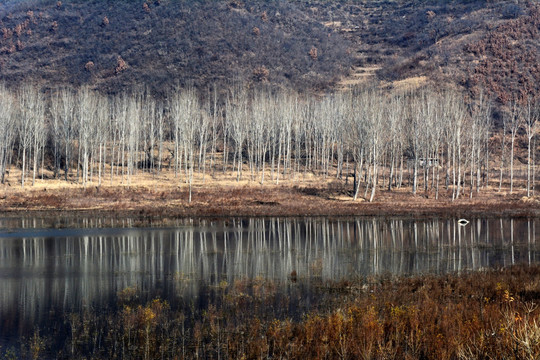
[[47, 272]]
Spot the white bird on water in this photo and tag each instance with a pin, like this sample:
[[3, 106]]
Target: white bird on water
[[463, 222]]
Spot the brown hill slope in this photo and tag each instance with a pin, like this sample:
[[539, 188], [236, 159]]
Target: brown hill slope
[[491, 46], [306, 45], [118, 44]]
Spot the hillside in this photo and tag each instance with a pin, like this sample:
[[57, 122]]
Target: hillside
[[161, 44], [489, 46]]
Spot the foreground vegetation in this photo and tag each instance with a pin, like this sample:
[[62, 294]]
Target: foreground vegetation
[[481, 315]]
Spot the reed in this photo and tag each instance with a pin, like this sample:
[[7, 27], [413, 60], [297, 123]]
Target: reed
[[457, 316]]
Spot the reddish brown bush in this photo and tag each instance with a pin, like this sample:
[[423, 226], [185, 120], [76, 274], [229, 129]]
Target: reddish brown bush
[[89, 66], [20, 45], [313, 53], [6, 33], [121, 65], [58, 4], [105, 21], [54, 26], [18, 29], [264, 16], [146, 8], [256, 31], [261, 73]]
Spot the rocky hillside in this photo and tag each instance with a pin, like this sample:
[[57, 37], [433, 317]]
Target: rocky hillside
[[311, 45], [116, 45], [489, 46]]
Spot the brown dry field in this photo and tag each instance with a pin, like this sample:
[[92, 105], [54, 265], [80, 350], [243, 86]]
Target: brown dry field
[[164, 197]]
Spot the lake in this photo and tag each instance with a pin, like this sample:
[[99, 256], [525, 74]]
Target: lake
[[47, 272]]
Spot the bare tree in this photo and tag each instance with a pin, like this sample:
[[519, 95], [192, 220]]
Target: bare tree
[[395, 112], [236, 110], [185, 113], [7, 129], [103, 136], [37, 132], [202, 132], [55, 131], [215, 111], [531, 114], [86, 116], [377, 123], [67, 124], [503, 150], [263, 106], [29, 105], [515, 120], [481, 131], [358, 134]]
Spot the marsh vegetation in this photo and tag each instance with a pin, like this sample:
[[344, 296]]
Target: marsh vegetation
[[269, 287]]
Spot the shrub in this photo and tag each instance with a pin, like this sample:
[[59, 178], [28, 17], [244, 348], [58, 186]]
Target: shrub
[[313, 53], [121, 65], [260, 74], [18, 30], [6, 33], [89, 66], [30, 15]]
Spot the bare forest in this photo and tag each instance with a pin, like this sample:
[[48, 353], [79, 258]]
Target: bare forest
[[424, 140]]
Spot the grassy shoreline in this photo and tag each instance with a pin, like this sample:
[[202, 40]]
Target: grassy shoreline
[[167, 201]]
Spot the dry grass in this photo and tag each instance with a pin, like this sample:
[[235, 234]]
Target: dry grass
[[409, 84], [472, 315], [358, 76], [219, 194]]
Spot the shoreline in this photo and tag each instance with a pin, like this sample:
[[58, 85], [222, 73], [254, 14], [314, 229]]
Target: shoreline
[[165, 203]]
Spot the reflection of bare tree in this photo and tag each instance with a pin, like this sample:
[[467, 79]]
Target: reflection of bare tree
[[70, 269]]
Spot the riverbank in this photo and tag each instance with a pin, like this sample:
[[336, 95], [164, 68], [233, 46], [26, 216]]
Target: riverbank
[[159, 200]]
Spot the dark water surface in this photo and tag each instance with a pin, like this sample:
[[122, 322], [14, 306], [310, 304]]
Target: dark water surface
[[46, 273]]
